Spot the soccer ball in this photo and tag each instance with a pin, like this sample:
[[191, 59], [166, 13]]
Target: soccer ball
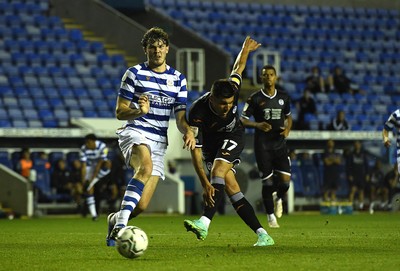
[[131, 242]]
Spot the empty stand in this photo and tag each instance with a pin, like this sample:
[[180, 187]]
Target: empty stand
[[42, 62], [307, 36]]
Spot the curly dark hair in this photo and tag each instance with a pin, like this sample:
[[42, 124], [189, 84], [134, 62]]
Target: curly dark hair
[[154, 34]]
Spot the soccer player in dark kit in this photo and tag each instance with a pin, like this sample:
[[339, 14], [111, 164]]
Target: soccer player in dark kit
[[219, 142], [272, 122]]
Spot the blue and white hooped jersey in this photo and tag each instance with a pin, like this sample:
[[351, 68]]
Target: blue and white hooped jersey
[[91, 157], [394, 122], [166, 91]]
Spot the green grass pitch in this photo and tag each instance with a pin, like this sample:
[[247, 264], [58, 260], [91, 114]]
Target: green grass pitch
[[304, 242]]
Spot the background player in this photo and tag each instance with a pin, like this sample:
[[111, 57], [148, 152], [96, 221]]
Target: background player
[[392, 122], [95, 165], [272, 122]]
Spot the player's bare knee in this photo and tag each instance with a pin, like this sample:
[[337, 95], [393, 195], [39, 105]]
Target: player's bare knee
[[232, 188], [143, 174]]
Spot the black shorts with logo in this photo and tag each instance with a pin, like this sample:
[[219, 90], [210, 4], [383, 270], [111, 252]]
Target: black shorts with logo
[[223, 146]]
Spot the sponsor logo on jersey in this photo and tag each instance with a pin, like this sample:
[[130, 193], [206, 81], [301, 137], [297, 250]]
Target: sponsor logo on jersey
[[281, 102], [156, 98]]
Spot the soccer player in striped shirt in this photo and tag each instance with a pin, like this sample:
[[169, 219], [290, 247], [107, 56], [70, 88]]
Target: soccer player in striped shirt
[[392, 122], [149, 92], [95, 166]]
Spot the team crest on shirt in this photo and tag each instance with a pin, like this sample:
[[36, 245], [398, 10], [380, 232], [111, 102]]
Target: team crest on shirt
[[148, 78], [234, 109], [170, 82], [281, 102]]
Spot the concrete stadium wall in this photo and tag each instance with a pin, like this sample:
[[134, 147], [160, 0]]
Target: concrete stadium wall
[[16, 192]]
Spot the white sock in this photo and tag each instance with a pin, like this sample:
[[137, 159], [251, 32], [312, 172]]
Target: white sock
[[261, 230], [271, 217], [91, 205], [206, 221], [122, 218]]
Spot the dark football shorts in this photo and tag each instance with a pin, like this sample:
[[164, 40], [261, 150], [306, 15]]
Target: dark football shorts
[[226, 147], [270, 160]]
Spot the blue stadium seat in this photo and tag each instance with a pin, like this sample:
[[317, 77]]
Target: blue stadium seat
[[61, 115], [75, 113], [16, 123], [5, 123], [343, 187], [310, 175], [42, 184], [34, 123], [16, 113], [26, 102], [66, 93], [297, 179], [5, 159], [46, 114], [90, 113], [3, 114], [30, 114], [41, 103], [71, 103]]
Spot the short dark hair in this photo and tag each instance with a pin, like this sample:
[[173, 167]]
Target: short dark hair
[[90, 137], [269, 67], [223, 88], [154, 34]]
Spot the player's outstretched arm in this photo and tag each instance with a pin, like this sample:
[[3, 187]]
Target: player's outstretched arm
[[189, 141], [208, 189], [249, 45]]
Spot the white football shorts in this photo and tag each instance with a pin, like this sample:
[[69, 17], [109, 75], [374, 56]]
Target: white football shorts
[[128, 137]]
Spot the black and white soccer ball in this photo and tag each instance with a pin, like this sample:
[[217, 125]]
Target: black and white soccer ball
[[131, 242]]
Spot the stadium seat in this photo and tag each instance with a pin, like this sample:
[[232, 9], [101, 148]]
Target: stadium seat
[[343, 186], [54, 156], [310, 175], [5, 159], [45, 191], [297, 178]]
